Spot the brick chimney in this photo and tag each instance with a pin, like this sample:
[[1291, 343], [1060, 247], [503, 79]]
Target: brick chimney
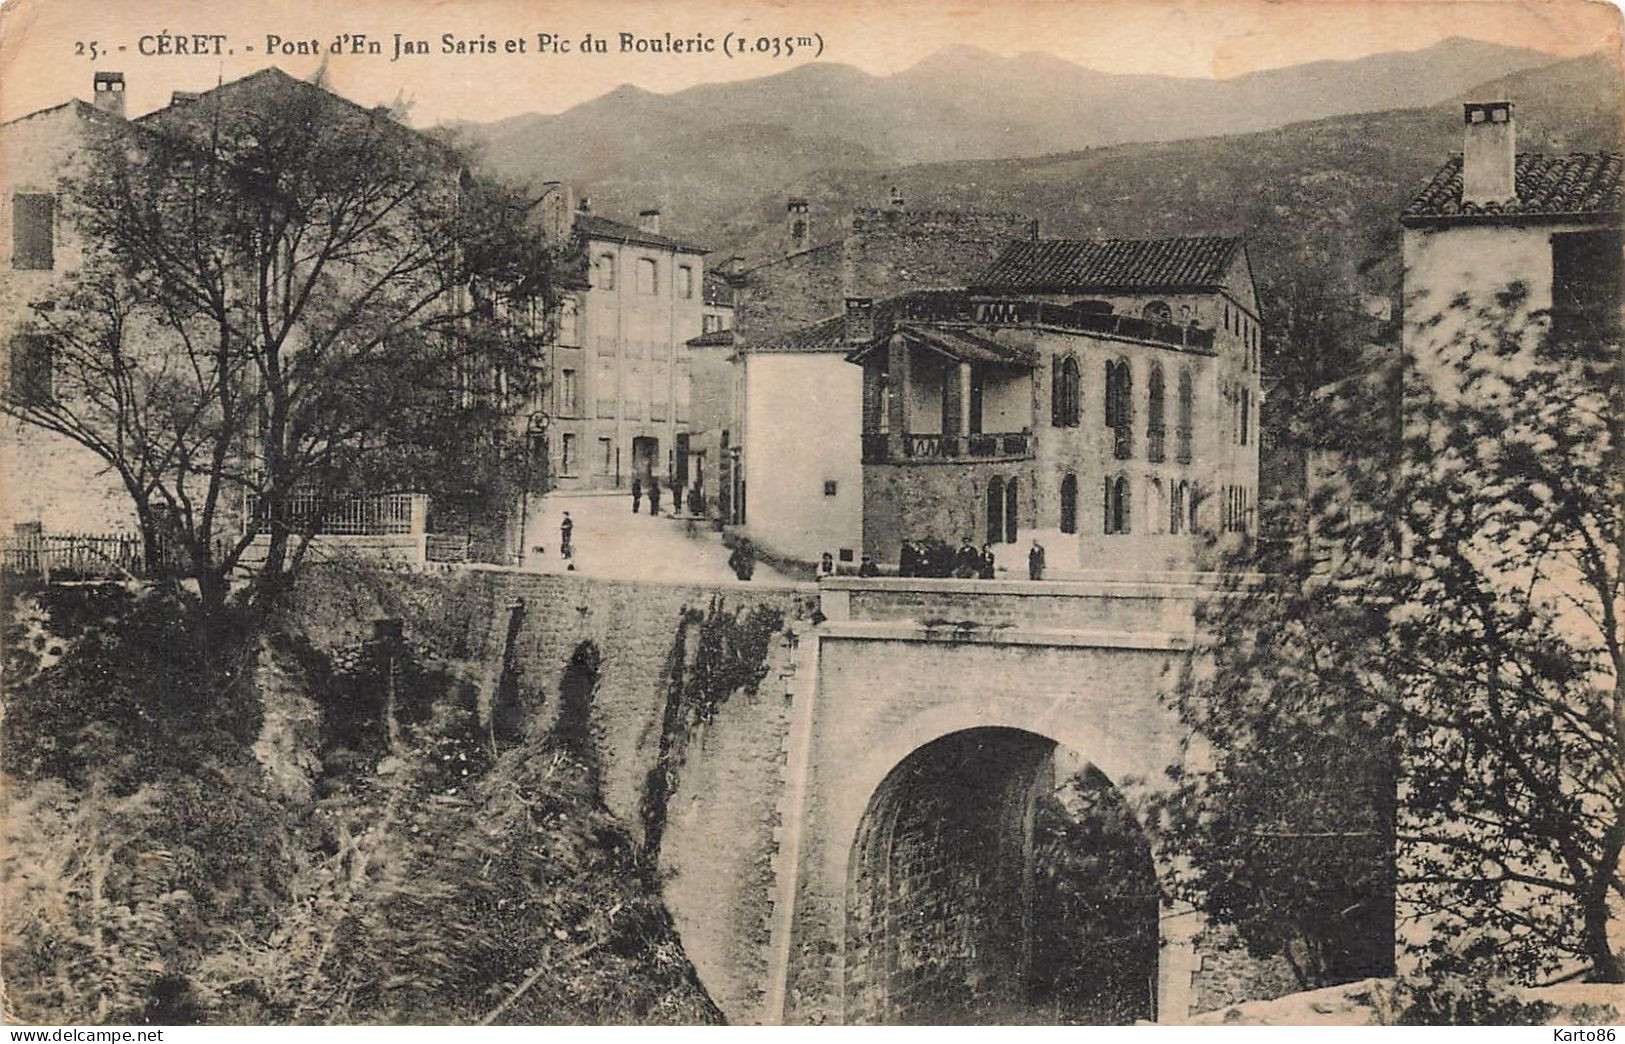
[[860, 320], [797, 225], [109, 93], [649, 221], [1489, 153]]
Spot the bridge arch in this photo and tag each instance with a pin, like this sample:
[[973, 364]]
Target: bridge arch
[[976, 882]]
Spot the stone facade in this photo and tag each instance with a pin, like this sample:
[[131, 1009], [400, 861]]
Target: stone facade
[[49, 479], [797, 420]]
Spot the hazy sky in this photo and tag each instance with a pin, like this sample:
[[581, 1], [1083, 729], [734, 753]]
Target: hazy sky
[[45, 44]]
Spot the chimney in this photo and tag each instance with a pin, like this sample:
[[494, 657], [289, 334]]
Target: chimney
[[1489, 153], [649, 221], [860, 320], [797, 225], [180, 98], [109, 88]]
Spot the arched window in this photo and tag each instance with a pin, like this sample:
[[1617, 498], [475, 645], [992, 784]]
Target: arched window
[[1069, 504], [1010, 512], [1117, 504], [1157, 312], [1187, 407], [1191, 498], [1154, 429], [1120, 406], [995, 510], [1068, 399], [1156, 506], [647, 281], [1176, 507], [1246, 414]]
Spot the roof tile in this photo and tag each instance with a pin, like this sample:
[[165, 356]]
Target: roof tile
[[1070, 265], [1547, 186]]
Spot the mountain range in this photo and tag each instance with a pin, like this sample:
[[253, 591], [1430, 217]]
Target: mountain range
[[1309, 161]]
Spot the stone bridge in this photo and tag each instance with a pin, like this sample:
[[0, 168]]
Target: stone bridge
[[928, 716]]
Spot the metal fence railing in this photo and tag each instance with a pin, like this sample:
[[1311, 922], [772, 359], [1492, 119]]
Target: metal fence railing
[[375, 515]]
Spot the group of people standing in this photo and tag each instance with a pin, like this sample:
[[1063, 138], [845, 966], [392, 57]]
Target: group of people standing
[[696, 500], [934, 558]]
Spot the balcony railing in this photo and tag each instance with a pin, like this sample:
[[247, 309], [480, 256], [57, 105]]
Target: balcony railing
[[950, 308], [1016, 445]]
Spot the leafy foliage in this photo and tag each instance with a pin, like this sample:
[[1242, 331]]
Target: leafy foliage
[[1460, 622]]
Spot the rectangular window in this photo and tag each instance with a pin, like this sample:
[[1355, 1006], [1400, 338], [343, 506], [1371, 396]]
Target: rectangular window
[[606, 455], [685, 281], [567, 393], [648, 283], [829, 488], [33, 231], [606, 272], [32, 361], [569, 323], [710, 323], [567, 462]]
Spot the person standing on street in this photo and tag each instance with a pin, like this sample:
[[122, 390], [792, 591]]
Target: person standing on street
[[566, 549], [654, 497], [1035, 562], [637, 495]]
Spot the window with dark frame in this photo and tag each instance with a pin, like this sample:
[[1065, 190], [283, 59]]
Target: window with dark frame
[[33, 231], [33, 359]]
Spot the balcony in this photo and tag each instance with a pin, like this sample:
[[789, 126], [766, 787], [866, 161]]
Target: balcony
[[945, 449]]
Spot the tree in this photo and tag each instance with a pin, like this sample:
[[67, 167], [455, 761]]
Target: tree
[[285, 300], [1472, 612]]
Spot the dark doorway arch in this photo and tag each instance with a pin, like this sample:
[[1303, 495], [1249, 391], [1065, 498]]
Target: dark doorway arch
[[998, 878], [995, 510], [1069, 504], [1010, 512]]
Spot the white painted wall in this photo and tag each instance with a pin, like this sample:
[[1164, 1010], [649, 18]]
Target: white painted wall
[[803, 419]]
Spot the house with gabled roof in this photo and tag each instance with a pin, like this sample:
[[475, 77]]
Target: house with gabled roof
[[1100, 396], [1494, 219]]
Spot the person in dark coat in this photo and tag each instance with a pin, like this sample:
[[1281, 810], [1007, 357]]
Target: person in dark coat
[[654, 497], [987, 562], [868, 568], [908, 559], [566, 550], [968, 561], [637, 495], [743, 560], [1035, 562]]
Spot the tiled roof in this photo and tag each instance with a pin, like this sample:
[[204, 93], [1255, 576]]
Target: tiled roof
[[712, 339], [829, 335], [1548, 186], [1098, 265], [592, 226], [716, 291]]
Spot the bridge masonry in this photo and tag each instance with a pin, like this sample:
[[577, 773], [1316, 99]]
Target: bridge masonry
[[901, 663], [761, 829]]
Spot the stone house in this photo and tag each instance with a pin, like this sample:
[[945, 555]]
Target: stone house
[[48, 479], [1493, 217], [792, 468], [1101, 396]]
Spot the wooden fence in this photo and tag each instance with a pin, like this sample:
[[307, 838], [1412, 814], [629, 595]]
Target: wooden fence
[[72, 556]]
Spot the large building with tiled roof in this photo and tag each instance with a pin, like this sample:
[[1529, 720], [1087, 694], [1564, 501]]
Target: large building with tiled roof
[[1098, 396], [1492, 220]]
